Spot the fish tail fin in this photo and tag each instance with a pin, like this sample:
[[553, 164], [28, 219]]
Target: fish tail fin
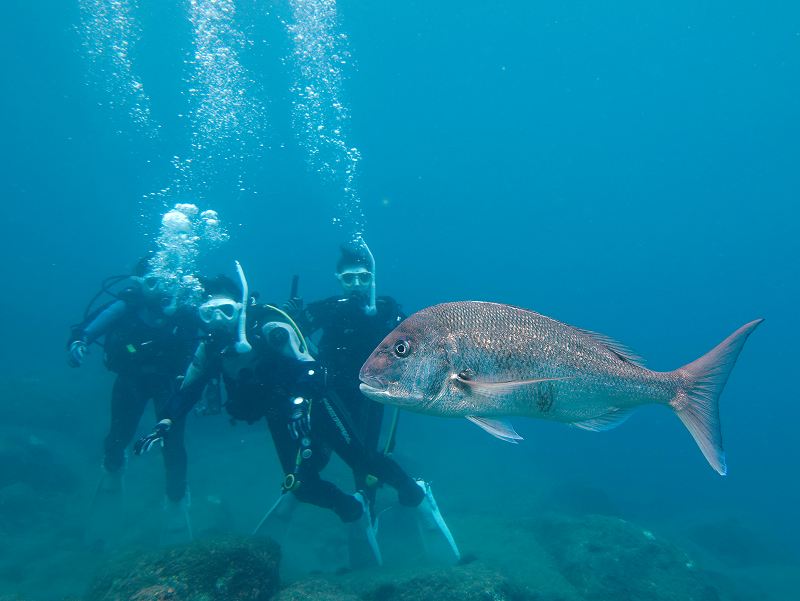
[[697, 401]]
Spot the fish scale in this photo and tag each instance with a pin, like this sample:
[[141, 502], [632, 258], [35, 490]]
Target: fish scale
[[503, 343]]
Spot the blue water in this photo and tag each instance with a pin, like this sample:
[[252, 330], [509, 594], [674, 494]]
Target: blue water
[[628, 168]]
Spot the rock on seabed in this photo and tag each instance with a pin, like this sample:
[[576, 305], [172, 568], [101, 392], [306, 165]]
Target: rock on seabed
[[608, 558], [225, 569]]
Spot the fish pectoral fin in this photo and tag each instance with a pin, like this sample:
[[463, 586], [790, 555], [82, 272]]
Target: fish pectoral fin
[[607, 421], [497, 428], [498, 389]]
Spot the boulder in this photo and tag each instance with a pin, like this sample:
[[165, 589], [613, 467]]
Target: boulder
[[223, 569], [315, 589], [609, 558], [461, 583]]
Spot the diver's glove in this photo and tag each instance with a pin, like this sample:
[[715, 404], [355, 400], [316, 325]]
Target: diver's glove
[[294, 306], [300, 419], [77, 353], [156, 437]]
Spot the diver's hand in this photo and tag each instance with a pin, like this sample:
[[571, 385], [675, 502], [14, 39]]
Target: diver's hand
[[300, 420], [77, 353], [294, 306], [156, 437]]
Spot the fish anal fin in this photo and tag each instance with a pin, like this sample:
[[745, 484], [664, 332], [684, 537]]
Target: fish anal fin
[[497, 428], [607, 421]]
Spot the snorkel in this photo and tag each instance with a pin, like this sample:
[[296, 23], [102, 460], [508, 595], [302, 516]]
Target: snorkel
[[242, 345], [371, 307]]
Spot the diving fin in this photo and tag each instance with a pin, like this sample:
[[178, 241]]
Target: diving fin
[[433, 528], [176, 528], [363, 538], [278, 518], [106, 518]]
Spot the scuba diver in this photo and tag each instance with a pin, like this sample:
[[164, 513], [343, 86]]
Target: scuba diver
[[343, 331], [148, 339], [268, 372]]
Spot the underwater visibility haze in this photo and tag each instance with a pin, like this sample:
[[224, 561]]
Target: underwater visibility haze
[[627, 168]]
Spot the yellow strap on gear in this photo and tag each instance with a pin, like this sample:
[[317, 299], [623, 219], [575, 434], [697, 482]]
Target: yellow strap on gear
[[294, 326]]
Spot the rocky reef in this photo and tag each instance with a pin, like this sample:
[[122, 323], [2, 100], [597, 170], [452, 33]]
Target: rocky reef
[[548, 558], [223, 569], [609, 558]]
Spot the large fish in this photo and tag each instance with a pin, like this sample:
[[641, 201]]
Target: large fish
[[484, 361]]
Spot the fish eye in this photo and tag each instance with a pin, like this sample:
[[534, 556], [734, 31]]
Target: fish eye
[[401, 348]]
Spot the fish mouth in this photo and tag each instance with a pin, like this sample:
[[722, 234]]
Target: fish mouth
[[372, 386], [372, 382], [386, 394], [376, 390]]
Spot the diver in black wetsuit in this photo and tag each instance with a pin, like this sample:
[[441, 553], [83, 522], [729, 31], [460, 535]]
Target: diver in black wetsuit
[[343, 331], [148, 339], [269, 373]]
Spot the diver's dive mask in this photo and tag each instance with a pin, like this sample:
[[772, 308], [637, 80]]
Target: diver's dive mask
[[359, 282], [220, 313], [356, 280], [157, 293]]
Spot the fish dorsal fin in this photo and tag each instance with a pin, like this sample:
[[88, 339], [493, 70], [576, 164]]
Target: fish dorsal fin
[[607, 421], [619, 349], [495, 389], [497, 428]]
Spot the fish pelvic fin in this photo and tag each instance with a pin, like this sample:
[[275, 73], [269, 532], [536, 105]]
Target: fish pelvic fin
[[497, 428], [697, 401]]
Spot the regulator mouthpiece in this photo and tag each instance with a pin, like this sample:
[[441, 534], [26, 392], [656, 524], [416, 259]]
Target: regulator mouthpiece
[[171, 305], [242, 346]]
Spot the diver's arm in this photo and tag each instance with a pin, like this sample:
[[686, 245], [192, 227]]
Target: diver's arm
[[203, 368], [198, 374], [102, 323], [311, 319], [83, 335]]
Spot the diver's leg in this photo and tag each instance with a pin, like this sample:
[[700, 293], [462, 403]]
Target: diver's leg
[[369, 466], [372, 422], [177, 525], [341, 431], [127, 405], [302, 467], [411, 493], [174, 450], [105, 523]]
